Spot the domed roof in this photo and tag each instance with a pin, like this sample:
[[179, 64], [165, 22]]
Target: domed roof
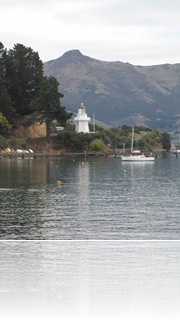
[[82, 106]]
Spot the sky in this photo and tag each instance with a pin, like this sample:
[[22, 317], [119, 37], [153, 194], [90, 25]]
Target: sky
[[140, 32]]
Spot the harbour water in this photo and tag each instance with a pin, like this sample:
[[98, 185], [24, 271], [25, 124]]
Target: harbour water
[[70, 280], [89, 199], [112, 231]]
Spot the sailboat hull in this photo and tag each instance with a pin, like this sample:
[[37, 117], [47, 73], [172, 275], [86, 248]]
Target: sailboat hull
[[140, 158]]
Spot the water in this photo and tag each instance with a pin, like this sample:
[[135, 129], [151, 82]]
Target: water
[[96, 199], [89, 274], [127, 280]]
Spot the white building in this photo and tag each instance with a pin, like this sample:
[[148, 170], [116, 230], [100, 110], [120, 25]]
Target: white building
[[82, 120]]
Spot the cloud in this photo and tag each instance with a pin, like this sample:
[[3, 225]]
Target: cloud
[[137, 31]]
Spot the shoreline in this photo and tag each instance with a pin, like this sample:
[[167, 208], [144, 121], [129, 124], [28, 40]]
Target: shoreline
[[15, 154], [51, 154]]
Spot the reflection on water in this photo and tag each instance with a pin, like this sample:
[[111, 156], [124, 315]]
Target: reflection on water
[[90, 280], [98, 198], [83, 198]]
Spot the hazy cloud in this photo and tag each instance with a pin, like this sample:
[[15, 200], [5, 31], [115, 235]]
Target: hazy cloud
[[135, 31]]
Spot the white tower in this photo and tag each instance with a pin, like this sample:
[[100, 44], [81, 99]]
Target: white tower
[[82, 120]]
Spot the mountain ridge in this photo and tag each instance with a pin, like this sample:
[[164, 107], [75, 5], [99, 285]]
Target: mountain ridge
[[119, 93]]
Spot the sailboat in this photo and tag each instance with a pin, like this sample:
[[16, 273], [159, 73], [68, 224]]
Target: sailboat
[[136, 155]]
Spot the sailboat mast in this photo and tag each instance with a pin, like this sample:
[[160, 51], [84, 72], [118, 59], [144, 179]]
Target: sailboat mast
[[94, 122], [132, 141]]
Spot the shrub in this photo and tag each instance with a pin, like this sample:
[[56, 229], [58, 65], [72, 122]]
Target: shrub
[[3, 143], [95, 145]]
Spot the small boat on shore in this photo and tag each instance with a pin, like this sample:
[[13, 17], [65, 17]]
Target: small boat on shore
[[136, 155]]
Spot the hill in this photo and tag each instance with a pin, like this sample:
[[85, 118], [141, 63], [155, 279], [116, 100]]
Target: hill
[[119, 93]]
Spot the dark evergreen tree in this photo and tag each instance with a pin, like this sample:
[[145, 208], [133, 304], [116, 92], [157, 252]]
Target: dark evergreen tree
[[23, 75], [48, 104], [166, 141], [6, 105]]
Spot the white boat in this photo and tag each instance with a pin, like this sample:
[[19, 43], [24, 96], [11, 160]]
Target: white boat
[[173, 148], [136, 155]]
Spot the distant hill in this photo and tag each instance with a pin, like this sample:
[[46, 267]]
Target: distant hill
[[119, 93]]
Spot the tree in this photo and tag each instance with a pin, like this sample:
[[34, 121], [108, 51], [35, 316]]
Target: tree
[[149, 139], [5, 126], [24, 87], [48, 104], [119, 141], [23, 76], [1, 63], [166, 141], [6, 105]]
